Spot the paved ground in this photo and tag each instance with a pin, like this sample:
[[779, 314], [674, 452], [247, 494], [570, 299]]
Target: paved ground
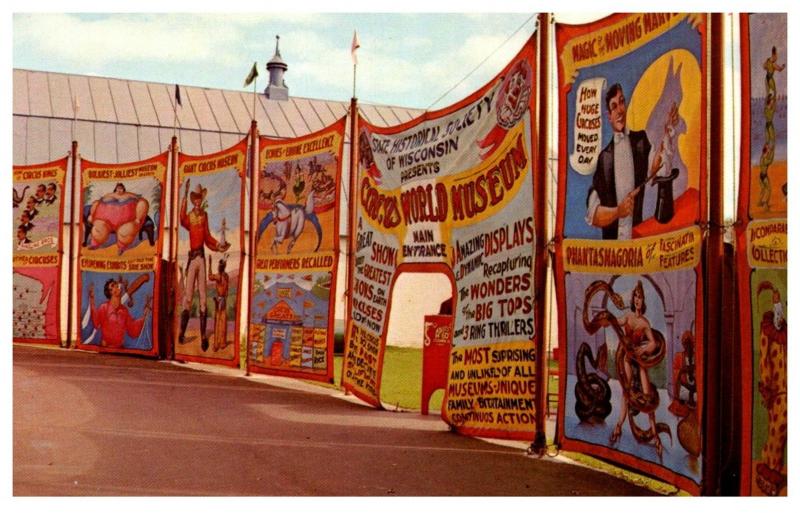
[[89, 424]]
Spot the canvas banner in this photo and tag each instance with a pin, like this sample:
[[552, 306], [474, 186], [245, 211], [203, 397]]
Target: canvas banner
[[210, 241], [38, 217], [452, 192], [296, 255], [632, 150], [119, 258], [762, 254]]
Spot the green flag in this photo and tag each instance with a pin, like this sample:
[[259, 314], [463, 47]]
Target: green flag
[[251, 76]]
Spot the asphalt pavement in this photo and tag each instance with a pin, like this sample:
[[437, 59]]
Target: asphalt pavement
[[88, 424]]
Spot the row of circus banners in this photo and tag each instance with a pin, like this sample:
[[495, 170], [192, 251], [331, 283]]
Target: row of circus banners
[[762, 254], [120, 256], [452, 192], [38, 213], [632, 175]]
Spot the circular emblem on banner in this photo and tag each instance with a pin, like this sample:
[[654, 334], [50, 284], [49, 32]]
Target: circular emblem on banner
[[515, 94], [365, 157]]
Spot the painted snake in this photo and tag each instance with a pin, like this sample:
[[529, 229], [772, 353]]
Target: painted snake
[[637, 399]]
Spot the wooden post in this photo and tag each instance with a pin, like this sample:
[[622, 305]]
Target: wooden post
[[351, 213], [70, 295], [351, 207], [540, 249], [251, 257], [714, 264], [173, 247]]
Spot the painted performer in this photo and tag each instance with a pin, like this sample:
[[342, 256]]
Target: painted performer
[[768, 151], [616, 197], [50, 194], [637, 352], [112, 318], [119, 212], [221, 282], [196, 222], [772, 386], [771, 66]]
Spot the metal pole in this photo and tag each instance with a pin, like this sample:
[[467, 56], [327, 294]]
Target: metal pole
[[255, 81]]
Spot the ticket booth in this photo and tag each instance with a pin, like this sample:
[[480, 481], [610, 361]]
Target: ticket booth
[[437, 342]]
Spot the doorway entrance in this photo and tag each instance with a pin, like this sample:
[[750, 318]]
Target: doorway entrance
[[414, 296]]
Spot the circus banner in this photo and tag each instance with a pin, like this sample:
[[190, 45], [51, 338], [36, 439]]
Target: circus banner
[[210, 241], [119, 257], [296, 256], [762, 245], [632, 150], [38, 216], [452, 192]]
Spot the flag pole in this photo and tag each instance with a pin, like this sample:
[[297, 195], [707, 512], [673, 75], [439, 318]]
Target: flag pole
[[355, 45], [175, 102], [255, 82]]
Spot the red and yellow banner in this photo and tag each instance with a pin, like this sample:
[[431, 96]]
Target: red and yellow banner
[[210, 246], [119, 258], [631, 201], [762, 258], [297, 253], [37, 221], [452, 192]]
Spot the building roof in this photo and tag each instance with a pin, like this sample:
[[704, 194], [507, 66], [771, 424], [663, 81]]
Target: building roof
[[128, 120]]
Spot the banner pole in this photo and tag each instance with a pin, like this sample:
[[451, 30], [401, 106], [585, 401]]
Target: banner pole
[[251, 257], [173, 246], [540, 249], [351, 212], [75, 193], [351, 205], [714, 269]]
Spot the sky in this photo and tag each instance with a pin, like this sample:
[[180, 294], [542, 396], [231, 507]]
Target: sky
[[417, 59], [405, 59]]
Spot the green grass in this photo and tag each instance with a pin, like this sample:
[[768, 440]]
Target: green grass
[[401, 384]]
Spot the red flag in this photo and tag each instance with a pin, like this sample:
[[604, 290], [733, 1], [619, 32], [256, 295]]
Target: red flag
[[355, 46]]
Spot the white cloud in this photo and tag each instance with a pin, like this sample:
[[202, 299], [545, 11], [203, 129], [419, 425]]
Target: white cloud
[[123, 38], [161, 38]]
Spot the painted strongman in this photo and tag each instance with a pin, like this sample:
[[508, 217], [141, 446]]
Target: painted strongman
[[113, 318], [196, 222]]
